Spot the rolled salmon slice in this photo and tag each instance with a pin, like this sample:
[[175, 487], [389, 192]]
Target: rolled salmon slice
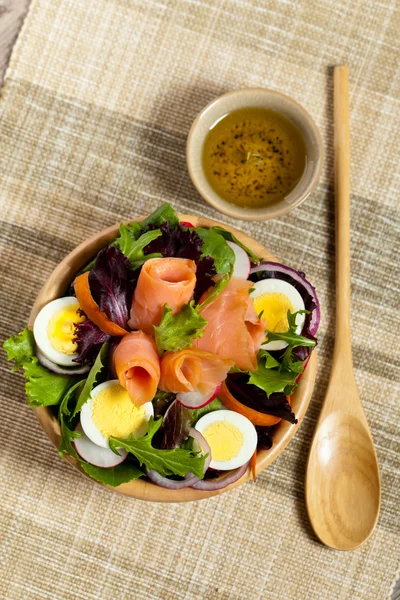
[[192, 369], [137, 365], [161, 281], [233, 328]]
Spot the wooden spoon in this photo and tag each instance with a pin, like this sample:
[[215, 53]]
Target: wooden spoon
[[342, 481]]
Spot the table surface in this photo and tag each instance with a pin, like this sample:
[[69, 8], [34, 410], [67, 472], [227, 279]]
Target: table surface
[[12, 13]]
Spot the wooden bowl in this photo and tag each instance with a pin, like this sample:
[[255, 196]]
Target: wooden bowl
[[57, 285]]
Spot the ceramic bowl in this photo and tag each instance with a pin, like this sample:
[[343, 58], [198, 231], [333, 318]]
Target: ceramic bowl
[[57, 285], [260, 98]]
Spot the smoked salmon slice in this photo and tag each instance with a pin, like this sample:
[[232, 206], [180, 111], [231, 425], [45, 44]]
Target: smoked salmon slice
[[192, 370], [161, 281], [233, 328], [137, 365]]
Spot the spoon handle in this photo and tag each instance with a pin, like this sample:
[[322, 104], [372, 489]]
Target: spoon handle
[[342, 209]]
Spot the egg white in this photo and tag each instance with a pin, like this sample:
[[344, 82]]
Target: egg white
[[40, 332], [244, 425], [279, 286], [88, 425]]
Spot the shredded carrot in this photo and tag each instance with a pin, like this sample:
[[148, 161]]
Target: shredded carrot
[[256, 417], [92, 309], [253, 465]]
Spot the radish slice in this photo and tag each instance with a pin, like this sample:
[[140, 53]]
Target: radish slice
[[242, 265], [99, 457], [196, 399]]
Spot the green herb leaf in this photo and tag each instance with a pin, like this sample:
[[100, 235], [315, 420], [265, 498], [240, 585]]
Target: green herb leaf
[[123, 473], [290, 336], [166, 462], [163, 213], [216, 290], [42, 387], [176, 332], [216, 404], [93, 378], [68, 423], [232, 238], [272, 380], [215, 245], [133, 248]]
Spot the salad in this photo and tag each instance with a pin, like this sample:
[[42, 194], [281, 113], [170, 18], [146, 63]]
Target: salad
[[173, 355]]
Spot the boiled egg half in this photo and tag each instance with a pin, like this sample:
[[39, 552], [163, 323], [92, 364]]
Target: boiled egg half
[[232, 438], [110, 412], [273, 298], [54, 330]]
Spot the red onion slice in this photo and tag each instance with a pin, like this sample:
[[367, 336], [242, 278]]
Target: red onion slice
[[302, 282], [190, 479], [57, 369], [212, 485]]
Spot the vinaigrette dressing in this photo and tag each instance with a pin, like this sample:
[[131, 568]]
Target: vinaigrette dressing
[[254, 157]]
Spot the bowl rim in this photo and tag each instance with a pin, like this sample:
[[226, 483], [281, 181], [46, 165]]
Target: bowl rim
[[248, 214], [58, 283]]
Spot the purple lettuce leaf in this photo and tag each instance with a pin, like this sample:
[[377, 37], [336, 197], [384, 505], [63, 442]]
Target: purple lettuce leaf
[[89, 339], [175, 426], [264, 435], [178, 241], [252, 396], [183, 242], [204, 276], [112, 282]]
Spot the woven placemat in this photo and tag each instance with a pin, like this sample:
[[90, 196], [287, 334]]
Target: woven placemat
[[94, 114]]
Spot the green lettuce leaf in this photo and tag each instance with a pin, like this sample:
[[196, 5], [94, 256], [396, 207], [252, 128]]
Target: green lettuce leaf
[[42, 387], [273, 379], [215, 245], [163, 213], [216, 290], [68, 422], [196, 414], [232, 238], [176, 332], [93, 378], [133, 248], [123, 473], [166, 462]]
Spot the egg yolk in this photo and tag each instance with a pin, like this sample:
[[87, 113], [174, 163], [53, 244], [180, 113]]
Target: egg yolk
[[61, 329], [114, 414], [225, 440], [274, 307]]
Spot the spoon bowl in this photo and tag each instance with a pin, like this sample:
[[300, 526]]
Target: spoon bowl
[[343, 487]]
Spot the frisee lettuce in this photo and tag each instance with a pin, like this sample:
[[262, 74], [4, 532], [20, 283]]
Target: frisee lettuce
[[42, 387], [166, 462], [176, 332]]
